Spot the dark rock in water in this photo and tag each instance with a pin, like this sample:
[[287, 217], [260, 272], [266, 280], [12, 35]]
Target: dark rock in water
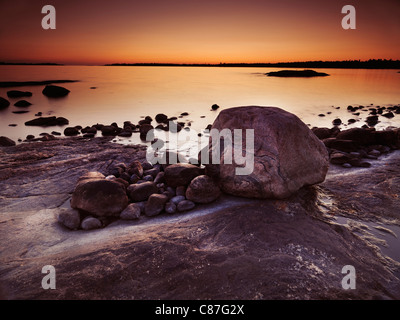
[[372, 120], [125, 134], [321, 115], [337, 122], [30, 137], [214, 107], [90, 223], [69, 218], [20, 111], [39, 114], [47, 121], [18, 94], [131, 212], [4, 103], [351, 120], [287, 155], [142, 191], [297, 73], [12, 125], [145, 132], [184, 114], [22, 104], [339, 158], [53, 91], [180, 174], [388, 115], [358, 135], [98, 196], [71, 131], [161, 118], [203, 189], [56, 133], [322, 133], [155, 204], [109, 131], [89, 130], [185, 205], [6, 142]]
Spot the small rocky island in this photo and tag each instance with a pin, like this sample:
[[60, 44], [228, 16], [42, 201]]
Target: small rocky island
[[296, 74]]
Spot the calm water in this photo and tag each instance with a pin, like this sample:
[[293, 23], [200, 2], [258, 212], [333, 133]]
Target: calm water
[[129, 93]]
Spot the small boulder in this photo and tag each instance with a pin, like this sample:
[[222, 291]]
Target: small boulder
[[98, 196], [70, 218], [161, 118], [214, 107], [52, 91], [203, 189], [185, 205], [176, 199], [90, 223], [131, 212], [180, 174], [22, 104], [142, 191], [155, 204], [170, 207]]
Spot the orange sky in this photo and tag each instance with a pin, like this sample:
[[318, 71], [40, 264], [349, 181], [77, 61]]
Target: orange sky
[[197, 31]]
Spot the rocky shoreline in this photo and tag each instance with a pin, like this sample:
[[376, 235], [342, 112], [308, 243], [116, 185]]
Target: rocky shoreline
[[232, 248]]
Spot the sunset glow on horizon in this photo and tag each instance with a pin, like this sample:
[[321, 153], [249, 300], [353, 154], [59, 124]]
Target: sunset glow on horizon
[[187, 31]]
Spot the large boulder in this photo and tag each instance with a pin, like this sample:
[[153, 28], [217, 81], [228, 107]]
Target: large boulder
[[203, 189], [180, 174], [52, 91], [287, 154], [98, 196]]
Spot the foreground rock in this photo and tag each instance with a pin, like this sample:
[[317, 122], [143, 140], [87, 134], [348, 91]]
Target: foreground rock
[[98, 196], [287, 154], [235, 248], [180, 174], [203, 189]]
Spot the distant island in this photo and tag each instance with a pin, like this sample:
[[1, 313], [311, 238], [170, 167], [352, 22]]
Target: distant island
[[296, 73], [29, 64], [346, 64]]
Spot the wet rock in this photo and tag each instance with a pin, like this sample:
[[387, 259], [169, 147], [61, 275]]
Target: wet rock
[[30, 137], [142, 191], [372, 120], [131, 212], [322, 133], [287, 154], [18, 94], [109, 130], [22, 104], [185, 205], [339, 158], [388, 115], [347, 165], [90, 223], [4, 103], [53, 91], [203, 189], [341, 145], [98, 196], [71, 131], [70, 218], [6, 142], [56, 133], [146, 133], [155, 204], [359, 135], [180, 174], [214, 107]]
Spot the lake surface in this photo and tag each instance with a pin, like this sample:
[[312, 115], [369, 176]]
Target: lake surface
[[129, 93]]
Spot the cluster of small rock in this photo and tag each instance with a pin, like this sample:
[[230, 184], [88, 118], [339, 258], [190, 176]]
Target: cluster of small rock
[[355, 147], [138, 189]]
